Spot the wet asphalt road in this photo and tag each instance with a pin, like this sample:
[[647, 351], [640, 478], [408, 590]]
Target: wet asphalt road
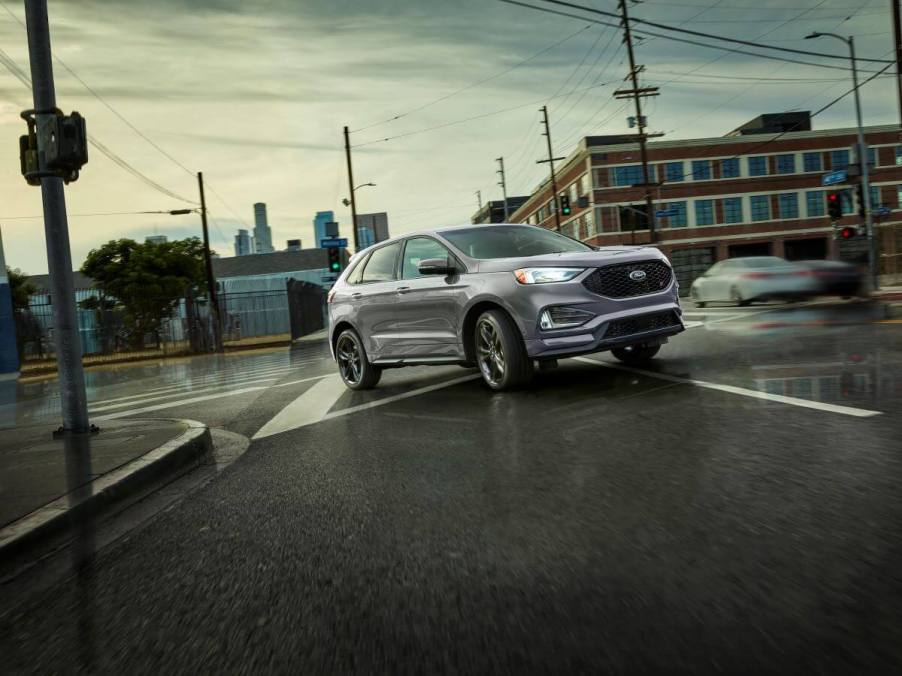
[[602, 520]]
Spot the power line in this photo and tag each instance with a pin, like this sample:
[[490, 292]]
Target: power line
[[104, 213], [687, 41], [445, 97], [710, 36], [467, 119]]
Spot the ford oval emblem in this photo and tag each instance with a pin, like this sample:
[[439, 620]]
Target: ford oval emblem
[[637, 275]]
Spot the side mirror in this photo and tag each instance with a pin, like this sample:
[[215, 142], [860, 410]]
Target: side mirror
[[436, 266]]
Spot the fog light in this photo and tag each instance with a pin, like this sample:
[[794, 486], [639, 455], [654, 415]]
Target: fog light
[[563, 317]]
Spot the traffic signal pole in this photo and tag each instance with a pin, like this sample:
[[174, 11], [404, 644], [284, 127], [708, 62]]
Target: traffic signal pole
[[215, 317], [550, 160], [66, 337], [503, 184]]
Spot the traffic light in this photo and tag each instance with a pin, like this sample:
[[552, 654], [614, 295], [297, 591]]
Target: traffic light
[[334, 259], [834, 205], [565, 205], [859, 191], [848, 232]]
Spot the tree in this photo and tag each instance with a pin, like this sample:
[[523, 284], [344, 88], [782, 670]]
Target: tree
[[147, 280], [21, 288]]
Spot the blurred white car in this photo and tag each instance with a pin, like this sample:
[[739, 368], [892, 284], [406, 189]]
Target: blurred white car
[[743, 280]]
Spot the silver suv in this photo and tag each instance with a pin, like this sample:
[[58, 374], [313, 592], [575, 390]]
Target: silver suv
[[499, 297]]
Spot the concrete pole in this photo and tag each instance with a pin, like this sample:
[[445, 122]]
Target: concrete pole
[[351, 188], [215, 316], [865, 183], [503, 184], [56, 230]]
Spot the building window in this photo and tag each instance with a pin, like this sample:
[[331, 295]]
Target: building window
[[872, 157], [786, 164], [730, 168], [815, 204], [760, 207], [628, 175], [839, 159], [898, 154], [732, 210], [590, 224], [758, 166], [789, 205], [812, 162], [875, 196], [680, 220], [583, 184], [573, 195], [847, 198], [701, 170], [704, 212], [673, 172]]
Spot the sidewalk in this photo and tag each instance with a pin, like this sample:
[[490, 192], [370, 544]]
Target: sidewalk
[[44, 480]]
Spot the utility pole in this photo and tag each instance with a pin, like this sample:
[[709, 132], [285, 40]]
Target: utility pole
[[56, 231], [503, 184], [897, 44], [551, 160], [478, 194], [215, 317], [636, 94], [351, 188]]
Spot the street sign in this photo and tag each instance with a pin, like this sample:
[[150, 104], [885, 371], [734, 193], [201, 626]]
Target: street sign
[[834, 177], [334, 243], [664, 213], [882, 211]]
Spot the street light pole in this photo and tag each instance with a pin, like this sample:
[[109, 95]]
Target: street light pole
[[862, 158], [351, 186]]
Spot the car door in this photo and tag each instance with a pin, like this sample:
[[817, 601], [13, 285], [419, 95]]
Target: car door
[[376, 296], [428, 308], [721, 281], [705, 285]]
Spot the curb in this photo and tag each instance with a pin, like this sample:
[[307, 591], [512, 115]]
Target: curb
[[60, 515]]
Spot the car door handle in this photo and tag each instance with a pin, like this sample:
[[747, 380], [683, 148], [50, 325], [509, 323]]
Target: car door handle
[[403, 289], [356, 294]]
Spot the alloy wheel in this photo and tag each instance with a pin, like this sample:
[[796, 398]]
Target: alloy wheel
[[349, 362], [489, 352]]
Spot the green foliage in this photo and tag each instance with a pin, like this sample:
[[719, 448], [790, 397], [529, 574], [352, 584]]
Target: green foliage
[[20, 287], [146, 280]]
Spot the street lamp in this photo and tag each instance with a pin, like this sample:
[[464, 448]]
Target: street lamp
[[347, 202], [862, 153]]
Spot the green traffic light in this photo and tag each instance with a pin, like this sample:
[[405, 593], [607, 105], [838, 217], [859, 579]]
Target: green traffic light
[[335, 266]]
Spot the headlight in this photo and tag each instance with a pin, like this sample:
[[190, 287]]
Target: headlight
[[546, 275]]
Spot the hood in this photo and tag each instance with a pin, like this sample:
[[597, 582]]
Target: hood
[[573, 259]]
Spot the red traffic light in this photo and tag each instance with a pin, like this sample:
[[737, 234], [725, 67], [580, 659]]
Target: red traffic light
[[833, 197], [847, 233]]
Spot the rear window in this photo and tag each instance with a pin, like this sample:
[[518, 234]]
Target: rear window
[[510, 241]]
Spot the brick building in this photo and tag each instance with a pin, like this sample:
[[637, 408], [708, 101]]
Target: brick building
[[746, 193]]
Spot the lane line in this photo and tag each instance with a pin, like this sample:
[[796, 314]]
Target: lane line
[[742, 391], [194, 400], [312, 406], [302, 418]]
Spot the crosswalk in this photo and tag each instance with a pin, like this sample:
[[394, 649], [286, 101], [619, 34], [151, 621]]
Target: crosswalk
[[195, 382]]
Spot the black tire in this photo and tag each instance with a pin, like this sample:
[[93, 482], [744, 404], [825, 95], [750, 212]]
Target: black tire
[[353, 365], [737, 298], [635, 355], [500, 352]]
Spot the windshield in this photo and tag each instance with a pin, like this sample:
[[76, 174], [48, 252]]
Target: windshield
[[510, 241]]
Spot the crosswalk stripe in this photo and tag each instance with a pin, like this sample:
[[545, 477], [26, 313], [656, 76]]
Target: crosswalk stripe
[[165, 395]]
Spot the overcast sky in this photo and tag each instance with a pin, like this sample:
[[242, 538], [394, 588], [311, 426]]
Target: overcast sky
[[254, 93]]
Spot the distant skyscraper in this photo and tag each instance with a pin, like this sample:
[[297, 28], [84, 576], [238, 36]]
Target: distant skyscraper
[[244, 244], [319, 226], [293, 245], [262, 232], [156, 239], [372, 228]]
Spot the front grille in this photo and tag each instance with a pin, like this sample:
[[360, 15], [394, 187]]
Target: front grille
[[641, 323], [614, 281]]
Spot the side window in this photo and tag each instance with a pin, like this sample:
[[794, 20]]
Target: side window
[[419, 249], [381, 265], [357, 271]]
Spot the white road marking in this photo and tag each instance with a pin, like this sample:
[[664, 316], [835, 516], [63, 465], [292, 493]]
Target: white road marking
[[301, 411], [310, 407], [193, 400], [692, 325], [742, 391], [143, 399]]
